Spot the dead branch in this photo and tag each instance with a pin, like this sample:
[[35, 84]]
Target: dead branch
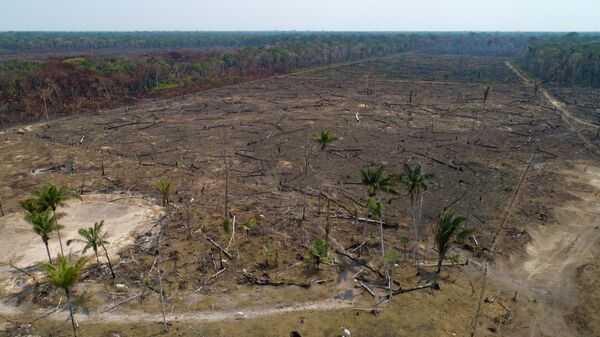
[[265, 281], [219, 247], [121, 303], [367, 288]]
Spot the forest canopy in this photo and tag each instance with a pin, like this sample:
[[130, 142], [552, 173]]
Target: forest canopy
[[566, 60]]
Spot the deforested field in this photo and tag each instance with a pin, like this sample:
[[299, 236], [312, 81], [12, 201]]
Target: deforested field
[[522, 168]]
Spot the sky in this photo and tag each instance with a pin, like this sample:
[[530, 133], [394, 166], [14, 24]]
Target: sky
[[314, 15]]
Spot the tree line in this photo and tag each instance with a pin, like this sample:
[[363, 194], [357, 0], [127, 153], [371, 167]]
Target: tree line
[[28, 42], [566, 60], [32, 89]]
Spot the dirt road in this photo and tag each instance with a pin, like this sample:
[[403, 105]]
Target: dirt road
[[114, 316], [552, 302], [545, 277]]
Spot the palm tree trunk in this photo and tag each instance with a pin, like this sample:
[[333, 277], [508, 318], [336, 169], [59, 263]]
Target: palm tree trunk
[[382, 247], [415, 233], [109, 264], [60, 242], [439, 264], [48, 251], [62, 253], [97, 259], [71, 312]]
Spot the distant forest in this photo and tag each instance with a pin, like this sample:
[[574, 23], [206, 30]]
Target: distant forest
[[568, 60], [173, 63], [480, 43]]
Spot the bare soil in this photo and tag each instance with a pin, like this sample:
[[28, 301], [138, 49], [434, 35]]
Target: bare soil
[[538, 242]]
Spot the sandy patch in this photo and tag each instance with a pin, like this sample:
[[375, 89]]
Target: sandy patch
[[123, 216]]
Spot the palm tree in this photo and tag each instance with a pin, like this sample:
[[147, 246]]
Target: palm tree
[[94, 238], [63, 275], [325, 137], [30, 205], [374, 178], [43, 224], [164, 188], [51, 197], [448, 232], [414, 181], [318, 250], [376, 211]]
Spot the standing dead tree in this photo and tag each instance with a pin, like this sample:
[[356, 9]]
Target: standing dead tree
[[307, 155], [161, 293], [1, 209], [486, 94]]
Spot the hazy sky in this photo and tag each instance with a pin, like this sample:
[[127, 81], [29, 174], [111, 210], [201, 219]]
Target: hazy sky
[[431, 15]]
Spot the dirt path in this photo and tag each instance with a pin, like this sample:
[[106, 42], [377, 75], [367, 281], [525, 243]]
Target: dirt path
[[566, 115], [546, 275], [115, 316]]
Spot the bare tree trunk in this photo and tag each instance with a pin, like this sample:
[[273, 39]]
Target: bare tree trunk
[[162, 298], [327, 224], [382, 246], [306, 161], [225, 164], [46, 109], [232, 233], [439, 263], [1, 209], [71, 312]]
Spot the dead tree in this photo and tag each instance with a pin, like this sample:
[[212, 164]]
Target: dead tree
[[1, 209], [226, 178], [161, 294], [307, 155], [486, 94]]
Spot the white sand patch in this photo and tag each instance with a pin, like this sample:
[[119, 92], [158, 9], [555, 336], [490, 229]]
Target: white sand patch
[[124, 217]]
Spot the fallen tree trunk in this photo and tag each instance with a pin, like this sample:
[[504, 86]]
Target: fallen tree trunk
[[266, 282]]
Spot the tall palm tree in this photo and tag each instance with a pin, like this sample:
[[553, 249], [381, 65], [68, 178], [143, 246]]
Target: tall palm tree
[[43, 224], [376, 211], [51, 197], [164, 188], [374, 178], [325, 137], [64, 275], [94, 238], [414, 181], [448, 232]]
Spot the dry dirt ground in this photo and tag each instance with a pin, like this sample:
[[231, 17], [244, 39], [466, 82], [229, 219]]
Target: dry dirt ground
[[124, 218], [522, 170]]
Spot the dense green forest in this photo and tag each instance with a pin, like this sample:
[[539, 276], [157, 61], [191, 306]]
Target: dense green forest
[[480, 43], [566, 60]]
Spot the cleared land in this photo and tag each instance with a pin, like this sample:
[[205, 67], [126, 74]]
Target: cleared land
[[523, 175]]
